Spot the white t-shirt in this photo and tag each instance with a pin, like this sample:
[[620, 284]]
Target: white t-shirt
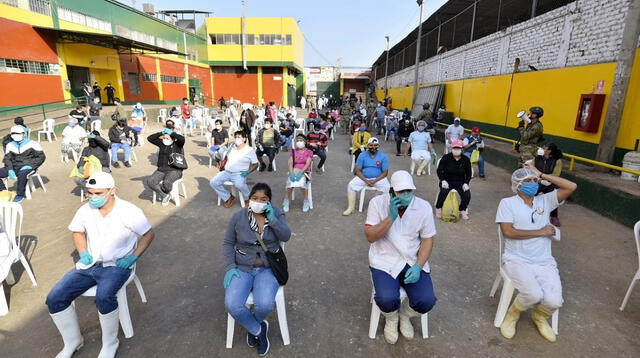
[[401, 243], [523, 217], [73, 134], [113, 236], [454, 132], [240, 159]]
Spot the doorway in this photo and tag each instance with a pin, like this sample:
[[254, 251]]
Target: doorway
[[77, 75]]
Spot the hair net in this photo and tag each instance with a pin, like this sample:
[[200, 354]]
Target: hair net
[[519, 176], [421, 123]]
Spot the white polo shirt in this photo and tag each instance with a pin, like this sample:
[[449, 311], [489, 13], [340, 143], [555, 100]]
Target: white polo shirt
[[240, 159], [455, 132], [73, 134], [524, 217], [113, 236], [401, 243]]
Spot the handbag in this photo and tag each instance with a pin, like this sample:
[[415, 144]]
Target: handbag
[[277, 262], [177, 160], [475, 156]]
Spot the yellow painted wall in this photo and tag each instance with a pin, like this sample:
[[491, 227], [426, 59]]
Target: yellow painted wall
[[452, 96], [490, 99], [26, 16], [630, 124]]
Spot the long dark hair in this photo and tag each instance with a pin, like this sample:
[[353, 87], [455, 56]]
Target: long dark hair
[[261, 187], [556, 153]]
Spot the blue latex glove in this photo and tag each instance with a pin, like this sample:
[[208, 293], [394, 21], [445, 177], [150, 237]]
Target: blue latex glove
[[270, 212], [85, 258], [394, 204], [229, 276], [126, 262], [12, 174], [166, 131], [245, 173], [413, 274], [26, 167], [434, 156], [292, 177]]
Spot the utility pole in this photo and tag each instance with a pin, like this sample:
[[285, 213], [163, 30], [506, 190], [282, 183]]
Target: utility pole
[[244, 37], [415, 77], [620, 86], [386, 69]]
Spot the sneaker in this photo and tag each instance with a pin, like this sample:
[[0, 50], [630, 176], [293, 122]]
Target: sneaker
[[464, 214], [263, 339], [555, 222], [439, 213], [305, 206], [115, 164], [270, 168], [252, 340], [285, 206], [262, 167], [319, 171], [127, 164], [18, 199], [166, 199]]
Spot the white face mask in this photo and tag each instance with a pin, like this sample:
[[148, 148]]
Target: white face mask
[[300, 144], [239, 141], [257, 207], [267, 125], [218, 127], [540, 151], [456, 152], [186, 102], [167, 141], [17, 137]]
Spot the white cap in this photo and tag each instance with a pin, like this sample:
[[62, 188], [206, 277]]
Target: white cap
[[73, 120], [373, 140], [17, 129], [402, 180], [138, 105], [100, 180], [456, 119]]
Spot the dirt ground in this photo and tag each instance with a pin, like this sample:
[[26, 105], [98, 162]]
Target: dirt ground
[[328, 294]]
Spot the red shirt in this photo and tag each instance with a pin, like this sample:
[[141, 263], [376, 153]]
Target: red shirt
[[313, 115], [186, 112]]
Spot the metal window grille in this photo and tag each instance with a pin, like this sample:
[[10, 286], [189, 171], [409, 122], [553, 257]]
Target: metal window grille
[[149, 77], [171, 79], [22, 66]]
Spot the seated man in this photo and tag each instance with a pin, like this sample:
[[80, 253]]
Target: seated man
[[267, 142], [391, 125], [72, 137], [219, 142], [161, 181], [317, 141], [121, 137], [286, 131], [372, 168], [98, 147], [419, 142], [360, 139], [79, 115], [527, 259], [19, 121], [404, 131], [400, 228], [22, 157], [241, 161], [472, 142], [110, 234], [138, 119]]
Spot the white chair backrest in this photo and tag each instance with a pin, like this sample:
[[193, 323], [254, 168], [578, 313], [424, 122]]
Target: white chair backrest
[[96, 125], [163, 112], [11, 216], [197, 112], [636, 232], [206, 111], [48, 124], [500, 244]]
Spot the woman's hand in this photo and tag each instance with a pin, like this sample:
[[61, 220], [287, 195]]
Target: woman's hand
[[270, 212], [229, 276]]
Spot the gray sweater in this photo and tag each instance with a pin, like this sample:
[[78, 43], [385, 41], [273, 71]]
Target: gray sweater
[[240, 245]]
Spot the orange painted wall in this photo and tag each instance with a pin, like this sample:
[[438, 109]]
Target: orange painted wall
[[173, 91], [26, 43], [272, 89], [204, 75], [139, 64], [243, 87]]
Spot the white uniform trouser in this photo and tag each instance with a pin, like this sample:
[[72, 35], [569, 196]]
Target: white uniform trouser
[[421, 156], [356, 184], [536, 283]]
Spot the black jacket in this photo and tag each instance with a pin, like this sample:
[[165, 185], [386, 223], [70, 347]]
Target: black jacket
[[100, 151], [166, 150], [114, 137], [454, 171], [405, 131], [28, 152]]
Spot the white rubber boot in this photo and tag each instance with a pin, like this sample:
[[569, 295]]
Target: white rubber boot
[[540, 317], [421, 167], [508, 327], [110, 323], [67, 323], [351, 198], [391, 327], [406, 328]]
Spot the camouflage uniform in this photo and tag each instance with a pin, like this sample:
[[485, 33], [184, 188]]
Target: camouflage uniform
[[529, 138], [345, 114], [425, 116]]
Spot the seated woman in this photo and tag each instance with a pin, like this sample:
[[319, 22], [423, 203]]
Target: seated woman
[[99, 148], [454, 172], [72, 137], [300, 162], [268, 141], [137, 120], [161, 181], [247, 264]]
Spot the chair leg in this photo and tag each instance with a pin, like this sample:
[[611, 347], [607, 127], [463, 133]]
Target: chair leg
[[282, 318], [375, 318], [554, 321], [184, 190], [503, 305], [362, 196], [41, 184], [628, 294], [143, 297], [27, 268], [230, 328], [496, 284], [153, 198], [125, 318], [424, 319], [4, 307], [310, 195]]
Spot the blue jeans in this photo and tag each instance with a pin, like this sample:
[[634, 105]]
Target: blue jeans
[[480, 162], [263, 284], [393, 130], [75, 282], [387, 297], [240, 182], [22, 180], [114, 151]]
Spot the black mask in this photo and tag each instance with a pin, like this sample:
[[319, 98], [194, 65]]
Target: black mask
[[170, 126], [122, 123], [373, 150], [93, 143]]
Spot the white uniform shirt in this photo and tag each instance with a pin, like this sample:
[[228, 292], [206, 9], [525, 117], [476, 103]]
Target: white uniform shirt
[[113, 236], [73, 134], [455, 132], [523, 217], [240, 159], [401, 243]]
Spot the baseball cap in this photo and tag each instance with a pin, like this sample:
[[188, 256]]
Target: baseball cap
[[457, 144], [475, 130], [373, 140], [17, 129], [100, 180], [457, 119], [402, 180]]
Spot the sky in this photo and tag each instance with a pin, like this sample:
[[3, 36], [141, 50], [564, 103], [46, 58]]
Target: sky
[[350, 32]]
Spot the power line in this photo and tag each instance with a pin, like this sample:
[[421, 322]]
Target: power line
[[316, 50]]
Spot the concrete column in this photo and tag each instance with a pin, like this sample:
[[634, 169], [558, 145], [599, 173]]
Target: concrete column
[[159, 81], [260, 86]]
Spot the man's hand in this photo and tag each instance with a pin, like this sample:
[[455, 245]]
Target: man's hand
[[548, 230], [369, 182]]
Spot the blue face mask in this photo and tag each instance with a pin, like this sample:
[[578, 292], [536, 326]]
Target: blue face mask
[[529, 188], [421, 128], [405, 198], [98, 201], [317, 132]]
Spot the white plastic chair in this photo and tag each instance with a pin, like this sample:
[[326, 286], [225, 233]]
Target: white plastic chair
[[233, 192], [508, 291], [636, 232], [134, 157], [309, 191], [48, 126], [96, 125], [353, 163], [64, 157], [413, 167], [363, 193], [375, 316], [316, 156], [274, 162], [123, 303], [31, 185], [175, 192], [162, 115]]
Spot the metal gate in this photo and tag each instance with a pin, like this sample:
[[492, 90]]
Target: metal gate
[[432, 95]]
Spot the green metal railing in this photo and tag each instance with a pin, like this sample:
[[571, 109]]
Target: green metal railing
[[34, 114]]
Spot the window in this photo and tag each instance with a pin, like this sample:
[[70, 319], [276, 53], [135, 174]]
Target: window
[[167, 44], [82, 19], [21, 66], [250, 39], [277, 39], [149, 77], [171, 79], [134, 83], [238, 70], [287, 40], [272, 70]]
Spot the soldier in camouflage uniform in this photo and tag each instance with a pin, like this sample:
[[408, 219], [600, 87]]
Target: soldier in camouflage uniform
[[345, 116], [531, 131], [426, 114]]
